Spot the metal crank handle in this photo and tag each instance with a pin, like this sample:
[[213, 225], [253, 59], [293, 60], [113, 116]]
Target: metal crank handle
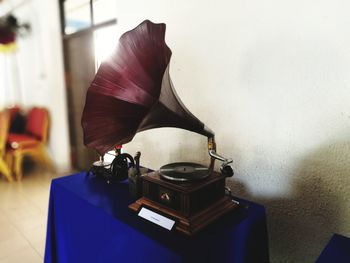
[[213, 154]]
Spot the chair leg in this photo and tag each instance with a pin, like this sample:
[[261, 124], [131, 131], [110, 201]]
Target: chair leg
[[17, 165], [4, 169], [9, 161], [16, 157]]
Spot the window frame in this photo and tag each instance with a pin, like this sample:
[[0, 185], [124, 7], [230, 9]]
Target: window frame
[[92, 27]]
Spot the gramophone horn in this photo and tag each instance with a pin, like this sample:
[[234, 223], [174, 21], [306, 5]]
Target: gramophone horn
[[132, 92]]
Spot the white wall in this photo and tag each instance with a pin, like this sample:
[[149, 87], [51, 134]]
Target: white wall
[[40, 71], [272, 79]]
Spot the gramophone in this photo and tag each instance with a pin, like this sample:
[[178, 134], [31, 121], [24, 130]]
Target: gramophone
[[132, 92]]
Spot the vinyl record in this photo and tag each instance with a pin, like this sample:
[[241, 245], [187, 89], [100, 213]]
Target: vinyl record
[[183, 172]]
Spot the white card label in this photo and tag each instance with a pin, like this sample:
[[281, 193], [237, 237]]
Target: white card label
[[156, 218]]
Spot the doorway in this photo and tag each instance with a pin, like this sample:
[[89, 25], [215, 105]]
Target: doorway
[[89, 36]]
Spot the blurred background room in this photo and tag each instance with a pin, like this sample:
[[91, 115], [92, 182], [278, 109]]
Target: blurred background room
[[271, 78], [49, 53]]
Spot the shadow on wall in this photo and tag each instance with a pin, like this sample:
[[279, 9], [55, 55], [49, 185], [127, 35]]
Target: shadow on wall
[[300, 227]]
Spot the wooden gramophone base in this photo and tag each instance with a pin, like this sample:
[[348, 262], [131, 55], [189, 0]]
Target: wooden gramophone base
[[192, 224]]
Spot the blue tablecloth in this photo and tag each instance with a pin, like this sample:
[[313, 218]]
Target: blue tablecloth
[[89, 221], [337, 250]]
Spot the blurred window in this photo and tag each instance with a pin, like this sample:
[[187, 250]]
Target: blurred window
[[83, 14], [105, 41], [77, 15]]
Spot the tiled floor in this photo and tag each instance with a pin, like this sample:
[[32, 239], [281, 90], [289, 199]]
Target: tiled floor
[[23, 215]]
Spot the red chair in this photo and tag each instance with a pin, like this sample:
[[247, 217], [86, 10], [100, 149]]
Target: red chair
[[31, 143]]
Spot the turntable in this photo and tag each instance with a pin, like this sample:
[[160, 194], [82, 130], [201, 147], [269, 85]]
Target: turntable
[[132, 92], [191, 204]]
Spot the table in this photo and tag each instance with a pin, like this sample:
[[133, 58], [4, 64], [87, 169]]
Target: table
[[337, 250], [89, 221]]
